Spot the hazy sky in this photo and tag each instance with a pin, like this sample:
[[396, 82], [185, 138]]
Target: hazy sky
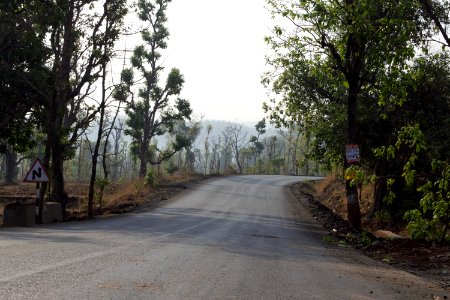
[[219, 47]]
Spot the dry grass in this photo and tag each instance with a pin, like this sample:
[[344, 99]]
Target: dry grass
[[130, 192], [331, 193], [118, 197]]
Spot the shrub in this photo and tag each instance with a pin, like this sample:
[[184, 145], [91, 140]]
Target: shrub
[[432, 220], [151, 179], [100, 183], [171, 167]]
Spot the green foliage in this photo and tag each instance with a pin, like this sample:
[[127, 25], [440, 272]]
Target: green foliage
[[23, 70], [365, 238], [388, 259], [418, 132], [175, 81], [275, 165], [410, 143], [101, 184], [412, 137], [432, 220], [428, 102], [358, 175], [382, 216], [261, 127], [420, 228], [259, 166], [151, 179], [171, 167], [390, 196], [427, 84], [127, 76], [256, 146], [364, 53], [157, 109], [328, 239]]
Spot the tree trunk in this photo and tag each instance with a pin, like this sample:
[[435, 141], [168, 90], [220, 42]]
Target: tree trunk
[[115, 166], [11, 165], [142, 166], [236, 151], [46, 165], [58, 192], [56, 111], [380, 189], [80, 153], [97, 145], [294, 154], [353, 209], [143, 153], [55, 151], [94, 165], [225, 162]]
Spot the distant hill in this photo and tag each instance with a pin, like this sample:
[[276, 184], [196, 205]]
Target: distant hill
[[218, 126]]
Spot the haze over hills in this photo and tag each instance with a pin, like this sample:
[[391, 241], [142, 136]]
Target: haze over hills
[[218, 126]]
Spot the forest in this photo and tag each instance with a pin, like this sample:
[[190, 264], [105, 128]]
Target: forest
[[370, 75], [374, 75], [65, 102]]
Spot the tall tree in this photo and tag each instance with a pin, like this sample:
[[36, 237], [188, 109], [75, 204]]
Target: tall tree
[[103, 132], [207, 147], [226, 149], [153, 113], [438, 12], [359, 41], [117, 138], [256, 146], [11, 165], [78, 41], [214, 166], [190, 132], [23, 71], [238, 141]]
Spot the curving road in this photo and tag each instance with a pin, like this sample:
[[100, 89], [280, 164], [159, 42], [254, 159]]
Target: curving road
[[242, 237]]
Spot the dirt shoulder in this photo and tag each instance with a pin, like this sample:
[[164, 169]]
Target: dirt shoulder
[[135, 196], [119, 197], [430, 261]]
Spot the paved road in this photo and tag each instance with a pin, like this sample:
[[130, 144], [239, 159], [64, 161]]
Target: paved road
[[233, 238]]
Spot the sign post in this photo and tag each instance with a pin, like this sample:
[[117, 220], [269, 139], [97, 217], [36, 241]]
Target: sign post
[[352, 153], [37, 174], [353, 211]]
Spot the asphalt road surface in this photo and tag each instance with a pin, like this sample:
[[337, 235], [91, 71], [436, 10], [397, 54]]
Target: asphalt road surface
[[242, 237]]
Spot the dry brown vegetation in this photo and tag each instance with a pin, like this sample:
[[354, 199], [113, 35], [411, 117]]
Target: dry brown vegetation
[[331, 193], [119, 197]]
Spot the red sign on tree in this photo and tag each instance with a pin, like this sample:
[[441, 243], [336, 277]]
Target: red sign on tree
[[352, 153]]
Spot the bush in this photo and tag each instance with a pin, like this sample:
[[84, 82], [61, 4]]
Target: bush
[[171, 167], [101, 184], [151, 179], [432, 220]]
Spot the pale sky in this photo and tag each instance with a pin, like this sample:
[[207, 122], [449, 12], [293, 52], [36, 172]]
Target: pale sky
[[219, 47]]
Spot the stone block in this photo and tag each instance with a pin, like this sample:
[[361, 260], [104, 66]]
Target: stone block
[[18, 214], [52, 212]]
